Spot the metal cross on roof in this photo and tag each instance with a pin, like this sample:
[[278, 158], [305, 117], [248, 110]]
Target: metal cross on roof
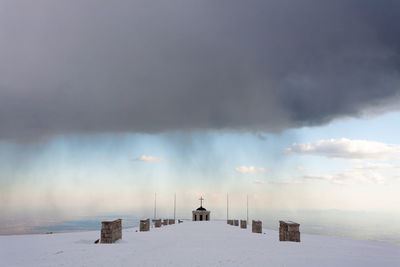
[[201, 201]]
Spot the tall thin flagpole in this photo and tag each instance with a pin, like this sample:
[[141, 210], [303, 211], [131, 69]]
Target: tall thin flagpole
[[174, 206], [227, 207], [155, 205], [247, 209]]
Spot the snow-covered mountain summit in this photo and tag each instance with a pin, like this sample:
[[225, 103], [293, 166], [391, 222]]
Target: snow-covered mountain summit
[[212, 243]]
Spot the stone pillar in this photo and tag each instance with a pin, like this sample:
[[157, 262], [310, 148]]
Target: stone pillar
[[157, 223], [256, 227], [236, 222], [243, 224], [171, 221], [289, 231], [165, 222], [230, 222], [111, 231], [144, 225]]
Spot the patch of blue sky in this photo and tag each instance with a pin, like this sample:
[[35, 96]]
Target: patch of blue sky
[[187, 158]]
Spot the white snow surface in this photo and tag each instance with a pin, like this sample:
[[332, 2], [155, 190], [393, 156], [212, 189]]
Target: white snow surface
[[212, 243]]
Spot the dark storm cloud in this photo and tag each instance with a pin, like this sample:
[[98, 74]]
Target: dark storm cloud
[[156, 66]]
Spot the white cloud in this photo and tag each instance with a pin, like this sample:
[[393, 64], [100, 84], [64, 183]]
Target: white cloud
[[145, 158], [279, 182], [286, 182], [323, 177], [250, 170], [300, 168], [376, 166], [346, 148], [350, 176]]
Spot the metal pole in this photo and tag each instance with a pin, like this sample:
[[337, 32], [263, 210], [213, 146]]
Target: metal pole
[[247, 220], [174, 206], [155, 205], [227, 207]]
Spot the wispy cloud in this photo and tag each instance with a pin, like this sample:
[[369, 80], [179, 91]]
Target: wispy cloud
[[376, 166], [259, 182], [287, 182], [250, 170], [369, 173], [145, 158], [350, 176], [261, 136], [346, 148], [323, 177]]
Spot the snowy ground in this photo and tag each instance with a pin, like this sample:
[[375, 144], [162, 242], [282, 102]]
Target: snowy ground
[[193, 244]]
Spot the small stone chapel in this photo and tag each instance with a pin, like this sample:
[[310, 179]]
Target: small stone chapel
[[201, 214]]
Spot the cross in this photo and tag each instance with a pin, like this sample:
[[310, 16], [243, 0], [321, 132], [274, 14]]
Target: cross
[[201, 201]]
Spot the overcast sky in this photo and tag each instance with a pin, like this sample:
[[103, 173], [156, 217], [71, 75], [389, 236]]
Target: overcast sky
[[158, 66]]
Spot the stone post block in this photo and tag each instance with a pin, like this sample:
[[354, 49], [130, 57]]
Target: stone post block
[[243, 224], [165, 222], [157, 223], [171, 221], [144, 225], [236, 222], [256, 227], [111, 231], [289, 231]]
